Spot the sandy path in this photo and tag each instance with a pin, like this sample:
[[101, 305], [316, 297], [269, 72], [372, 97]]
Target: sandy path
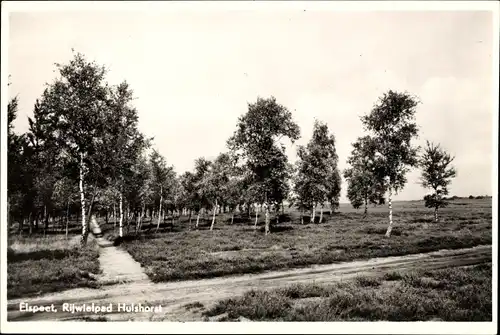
[[174, 296], [117, 265]]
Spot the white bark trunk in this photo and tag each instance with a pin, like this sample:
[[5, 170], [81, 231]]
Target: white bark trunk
[[139, 221], [313, 216], [67, 219], [197, 219], [30, 224], [321, 215], [82, 201], [389, 229], [45, 220], [22, 227], [232, 217], [159, 210], [121, 215], [436, 214], [267, 230], [256, 216], [213, 218]]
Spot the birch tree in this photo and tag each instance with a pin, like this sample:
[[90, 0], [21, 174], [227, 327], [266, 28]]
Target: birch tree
[[159, 180], [124, 144], [364, 187], [257, 137], [200, 196], [76, 103], [188, 183], [301, 197], [318, 179], [437, 174], [45, 157], [65, 195], [392, 122], [215, 182], [14, 165]]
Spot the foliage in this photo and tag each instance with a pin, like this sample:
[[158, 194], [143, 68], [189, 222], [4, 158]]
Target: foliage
[[392, 122], [363, 185], [257, 140], [437, 173], [318, 179]]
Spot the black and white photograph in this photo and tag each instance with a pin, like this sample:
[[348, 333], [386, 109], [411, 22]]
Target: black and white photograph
[[253, 166]]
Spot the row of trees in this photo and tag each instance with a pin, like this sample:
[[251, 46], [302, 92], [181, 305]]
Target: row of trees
[[83, 151]]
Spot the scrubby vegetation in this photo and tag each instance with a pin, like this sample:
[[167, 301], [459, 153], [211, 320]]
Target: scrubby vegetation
[[48, 264], [458, 294], [235, 249]]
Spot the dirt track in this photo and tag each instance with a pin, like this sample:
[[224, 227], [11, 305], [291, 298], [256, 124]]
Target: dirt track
[[174, 296]]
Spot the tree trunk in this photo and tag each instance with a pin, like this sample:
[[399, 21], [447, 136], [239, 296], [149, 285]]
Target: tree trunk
[[190, 217], [142, 216], [159, 211], [67, 219], [436, 214], [9, 216], [120, 226], [301, 217], [213, 218], [114, 215], [91, 203], [232, 216], [366, 207], [45, 220], [256, 216], [282, 208], [85, 230], [30, 224], [107, 216], [389, 229], [313, 216], [129, 217], [268, 221], [197, 219], [172, 224], [138, 222], [321, 215], [21, 226]]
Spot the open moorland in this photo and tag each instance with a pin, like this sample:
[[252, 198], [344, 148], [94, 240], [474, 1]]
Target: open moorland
[[455, 294], [39, 264], [176, 253]]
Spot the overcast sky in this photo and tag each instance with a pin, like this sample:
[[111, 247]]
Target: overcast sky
[[194, 72]]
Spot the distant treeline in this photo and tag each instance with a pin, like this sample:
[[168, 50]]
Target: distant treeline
[[469, 197]]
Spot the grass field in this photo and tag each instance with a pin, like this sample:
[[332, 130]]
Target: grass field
[[37, 265], [53, 263], [457, 294], [182, 253]]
